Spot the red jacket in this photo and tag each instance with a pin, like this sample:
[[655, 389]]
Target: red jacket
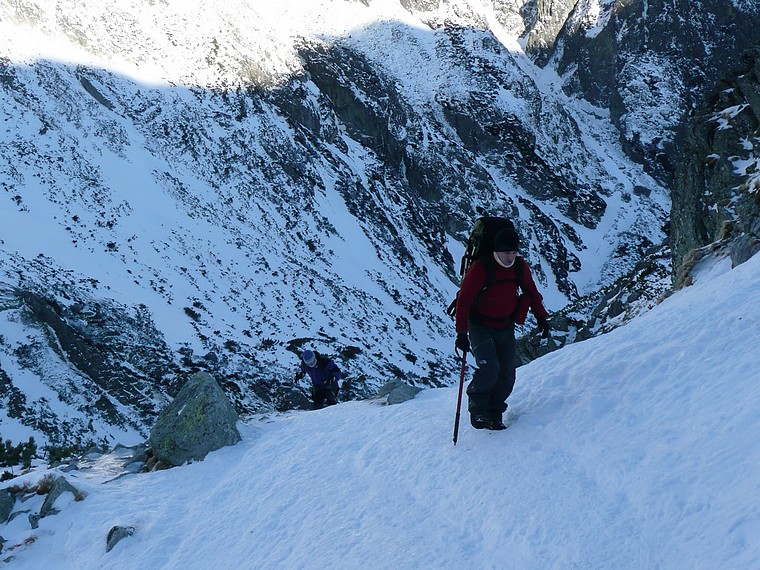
[[500, 301]]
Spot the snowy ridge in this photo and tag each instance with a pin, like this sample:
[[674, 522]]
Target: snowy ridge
[[633, 450]]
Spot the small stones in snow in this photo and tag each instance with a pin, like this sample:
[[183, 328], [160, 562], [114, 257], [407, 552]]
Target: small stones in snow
[[116, 534]]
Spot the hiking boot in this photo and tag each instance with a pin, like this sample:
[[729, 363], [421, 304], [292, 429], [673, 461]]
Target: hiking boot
[[493, 421], [495, 425], [478, 422]]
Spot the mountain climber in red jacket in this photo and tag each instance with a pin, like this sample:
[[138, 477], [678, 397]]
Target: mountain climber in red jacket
[[488, 306]]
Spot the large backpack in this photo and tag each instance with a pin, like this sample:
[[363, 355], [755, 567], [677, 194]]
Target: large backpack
[[479, 245]]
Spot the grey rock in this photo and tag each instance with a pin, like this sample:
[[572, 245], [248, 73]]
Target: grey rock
[[34, 520], [201, 419], [552, 16], [642, 191], [420, 5], [743, 249], [130, 455], [402, 394], [6, 505], [60, 486], [290, 398], [134, 467], [398, 392], [616, 308], [116, 534], [18, 514], [94, 452]]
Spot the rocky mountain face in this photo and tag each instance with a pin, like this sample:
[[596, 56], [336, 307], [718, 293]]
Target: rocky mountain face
[[258, 193], [659, 68], [650, 63], [716, 195]]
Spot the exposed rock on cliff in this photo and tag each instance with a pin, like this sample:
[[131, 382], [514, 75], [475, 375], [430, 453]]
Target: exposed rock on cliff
[[716, 198]]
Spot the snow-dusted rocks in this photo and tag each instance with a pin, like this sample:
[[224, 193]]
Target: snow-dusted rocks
[[101, 369], [6, 505], [201, 419], [116, 534], [716, 200], [396, 392], [60, 486], [649, 63]]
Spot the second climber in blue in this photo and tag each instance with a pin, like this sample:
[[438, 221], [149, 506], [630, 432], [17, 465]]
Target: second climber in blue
[[325, 378]]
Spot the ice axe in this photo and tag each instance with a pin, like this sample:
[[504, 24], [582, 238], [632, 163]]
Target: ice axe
[[459, 398]]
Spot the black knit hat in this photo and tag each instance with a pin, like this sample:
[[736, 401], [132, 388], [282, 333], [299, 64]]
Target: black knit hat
[[506, 240]]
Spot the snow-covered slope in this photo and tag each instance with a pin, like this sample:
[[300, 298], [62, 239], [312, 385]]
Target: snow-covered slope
[[637, 449], [245, 179]]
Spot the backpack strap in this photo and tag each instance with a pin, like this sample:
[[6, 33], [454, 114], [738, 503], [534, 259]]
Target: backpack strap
[[489, 264], [519, 270], [451, 310]]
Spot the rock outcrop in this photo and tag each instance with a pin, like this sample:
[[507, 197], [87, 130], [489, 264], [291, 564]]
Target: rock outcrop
[[396, 392], [716, 199], [650, 63], [201, 419]]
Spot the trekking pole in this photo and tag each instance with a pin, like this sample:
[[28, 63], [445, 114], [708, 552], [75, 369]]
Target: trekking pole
[[459, 399]]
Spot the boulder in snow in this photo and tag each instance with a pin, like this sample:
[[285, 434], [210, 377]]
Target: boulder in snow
[[60, 486], [398, 391], [116, 534], [6, 505], [199, 420]]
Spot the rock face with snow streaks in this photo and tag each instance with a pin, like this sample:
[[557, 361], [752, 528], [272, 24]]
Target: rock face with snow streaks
[[650, 63], [716, 198]]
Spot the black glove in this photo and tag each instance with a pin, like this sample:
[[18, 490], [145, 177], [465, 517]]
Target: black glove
[[299, 375], [543, 326], [462, 343]]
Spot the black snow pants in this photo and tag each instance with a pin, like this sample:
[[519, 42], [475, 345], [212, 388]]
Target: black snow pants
[[495, 354], [324, 395]]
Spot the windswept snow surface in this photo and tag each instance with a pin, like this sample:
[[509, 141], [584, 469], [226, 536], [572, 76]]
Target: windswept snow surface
[[636, 449]]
